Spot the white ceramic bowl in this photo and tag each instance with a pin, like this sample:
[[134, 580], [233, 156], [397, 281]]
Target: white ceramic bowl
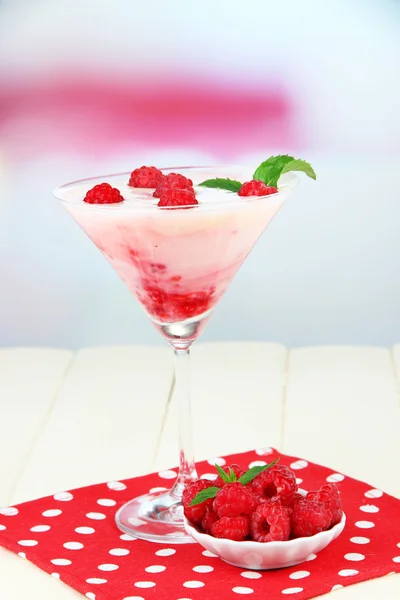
[[269, 555]]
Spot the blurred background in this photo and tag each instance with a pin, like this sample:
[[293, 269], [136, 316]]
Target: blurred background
[[92, 87]]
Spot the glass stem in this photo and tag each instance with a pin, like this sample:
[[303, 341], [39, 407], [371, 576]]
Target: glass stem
[[187, 468]]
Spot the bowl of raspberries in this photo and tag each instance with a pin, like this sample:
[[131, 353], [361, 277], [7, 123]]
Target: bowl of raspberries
[[260, 519]]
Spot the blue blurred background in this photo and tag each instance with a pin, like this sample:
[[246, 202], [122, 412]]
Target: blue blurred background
[[94, 87]]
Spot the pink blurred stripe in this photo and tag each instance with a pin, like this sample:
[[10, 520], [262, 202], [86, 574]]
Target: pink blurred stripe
[[96, 116]]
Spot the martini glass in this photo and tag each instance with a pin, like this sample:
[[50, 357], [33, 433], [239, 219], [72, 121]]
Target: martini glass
[[177, 262]]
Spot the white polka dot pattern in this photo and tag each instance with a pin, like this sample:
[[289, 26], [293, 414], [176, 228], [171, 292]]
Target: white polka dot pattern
[[9, 511], [242, 590], [193, 584], [106, 502], [360, 540], [203, 569], [116, 486], [299, 464], [73, 546], [155, 569], [166, 552], [365, 524], [369, 508], [373, 494], [251, 575], [63, 497], [335, 478], [348, 573], [54, 512], [299, 574], [293, 590], [40, 528], [354, 556]]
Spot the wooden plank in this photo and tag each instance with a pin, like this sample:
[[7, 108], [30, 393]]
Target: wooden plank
[[106, 421], [237, 391], [342, 410], [396, 366], [21, 579], [29, 381]]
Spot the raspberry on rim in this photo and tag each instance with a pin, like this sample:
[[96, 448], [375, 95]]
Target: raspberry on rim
[[172, 181], [103, 193], [145, 177], [177, 197], [256, 188]]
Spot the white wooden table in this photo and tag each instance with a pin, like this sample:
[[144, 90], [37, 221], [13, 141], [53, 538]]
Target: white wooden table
[[64, 423]]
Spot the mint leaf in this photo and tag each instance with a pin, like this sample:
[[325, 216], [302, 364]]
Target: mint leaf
[[299, 165], [254, 471], [204, 495], [271, 169], [223, 184], [268, 169], [224, 476], [232, 476]]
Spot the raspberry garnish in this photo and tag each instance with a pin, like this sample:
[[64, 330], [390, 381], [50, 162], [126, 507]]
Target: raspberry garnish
[[145, 177], [103, 193], [329, 496], [195, 513], [270, 522], [235, 468], [256, 188], [177, 197], [234, 499], [172, 181], [309, 517], [231, 528], [276, 481], [210, 517]]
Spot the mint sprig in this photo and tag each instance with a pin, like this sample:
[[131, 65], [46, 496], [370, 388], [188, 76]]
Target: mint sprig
[[204, 495], [230, 477], [224, 476], [269, 171], [223, 184], [254, 471]]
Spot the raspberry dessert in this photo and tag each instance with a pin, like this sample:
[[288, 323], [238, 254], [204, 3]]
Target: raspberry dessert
[[178, 263], [262, 504]]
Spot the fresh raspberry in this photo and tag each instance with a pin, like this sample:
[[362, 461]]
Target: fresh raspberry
[[235, 468], [145, 177], [231, 528], [234, 499], [195, 513], [103, 193], [256, 188], [270, 522], [309, 517], [329, 496], [172, 181], [210, 517], [276, 481], [177, 197]]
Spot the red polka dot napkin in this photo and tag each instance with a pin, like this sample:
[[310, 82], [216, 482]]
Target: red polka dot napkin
[[72, 536]]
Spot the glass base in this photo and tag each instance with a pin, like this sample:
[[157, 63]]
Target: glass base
[[154, 517]]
